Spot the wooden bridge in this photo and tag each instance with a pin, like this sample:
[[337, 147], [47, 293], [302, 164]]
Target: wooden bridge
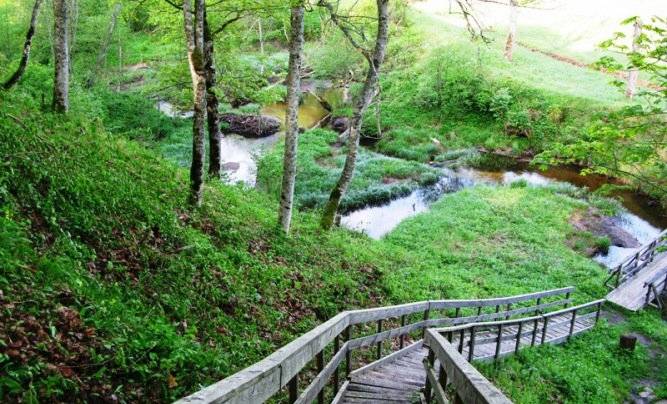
[[641, 279], [386, 347]]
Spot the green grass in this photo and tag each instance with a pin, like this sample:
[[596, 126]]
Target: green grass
[[377, 178], [173, 297], [591, 368]]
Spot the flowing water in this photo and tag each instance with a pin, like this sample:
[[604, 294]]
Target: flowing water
[[239, 154], [641, 220]]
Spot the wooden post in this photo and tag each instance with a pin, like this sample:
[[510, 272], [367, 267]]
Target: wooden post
[[479, 310], [499, 343], [509, 307], [379, 345], [430, 360], [628, 342], [471, 351], [572, 322], [535, 324], [597, 313], [450, 335], [320, 368], [426, 314], [442, 377], [335, 375], [567, 297], [497, 308], [293, 387], [461, 338], [348, 354], [518, 337], [402, 337], [457, 314], [544, 330], [537, 303]]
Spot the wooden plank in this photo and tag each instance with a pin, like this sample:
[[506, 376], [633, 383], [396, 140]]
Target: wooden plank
[[447, 304], [341, 393], [469, 384], [389, 358], [436, 388], [323, 377]]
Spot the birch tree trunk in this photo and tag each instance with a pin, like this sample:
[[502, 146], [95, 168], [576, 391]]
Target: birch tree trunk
[[291, 120], [61, 56], [212, 114], [633, 74], [104, 47], [511, 35], [194, 33], [374, 63], [27, 45]]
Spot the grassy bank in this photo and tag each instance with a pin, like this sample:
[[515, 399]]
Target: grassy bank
[[112, 285], [377, 179]]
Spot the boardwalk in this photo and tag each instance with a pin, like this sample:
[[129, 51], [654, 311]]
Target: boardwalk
[[631, 294], [402, 378]]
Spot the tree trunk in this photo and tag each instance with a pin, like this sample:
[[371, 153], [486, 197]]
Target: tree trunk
[[633, 74], [212, 114], [369, 89], [291, 120], [511, 36], [61, 56], [26, 48], [194, 33], [104, 47]]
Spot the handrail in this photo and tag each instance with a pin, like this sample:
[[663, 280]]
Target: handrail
[[262, 380], [468, 384], [537, 331], [631, 265]]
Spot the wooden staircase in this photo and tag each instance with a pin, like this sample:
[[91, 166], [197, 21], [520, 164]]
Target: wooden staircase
[[640, 279], [381, 352]]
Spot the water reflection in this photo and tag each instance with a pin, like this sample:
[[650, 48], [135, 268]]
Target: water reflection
[[239, 156]]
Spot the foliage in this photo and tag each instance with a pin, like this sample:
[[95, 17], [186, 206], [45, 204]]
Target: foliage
[[630, 142], [377, 180]]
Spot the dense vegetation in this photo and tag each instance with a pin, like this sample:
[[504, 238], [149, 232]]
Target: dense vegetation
[[113, 287]]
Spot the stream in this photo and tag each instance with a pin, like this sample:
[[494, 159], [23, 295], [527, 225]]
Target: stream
[[239, 154]]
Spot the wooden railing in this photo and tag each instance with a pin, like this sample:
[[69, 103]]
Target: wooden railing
[[456, 374], [294, 365], [635, 263], [655, 289]]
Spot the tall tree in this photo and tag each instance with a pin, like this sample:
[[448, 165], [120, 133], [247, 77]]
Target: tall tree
[[27, 45], [511, 35], [61, 56], [104, 47], [212, 103], [375, 60], [291, 121], [194, 35]]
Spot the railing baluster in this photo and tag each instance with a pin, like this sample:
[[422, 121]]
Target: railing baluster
[[293, 387], [518, 337], [479, 310], [535, 324], [442, 377], [402, 337], [544, 330], [348, 354], [509, 307], [499, 343], [430, 360], [320, 368], [597, 313], [572, 322], [426, 314], [461, 338], [335, 375], [457, 314], [379, 345], [537, 303], [471, 352], [567, 297]]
